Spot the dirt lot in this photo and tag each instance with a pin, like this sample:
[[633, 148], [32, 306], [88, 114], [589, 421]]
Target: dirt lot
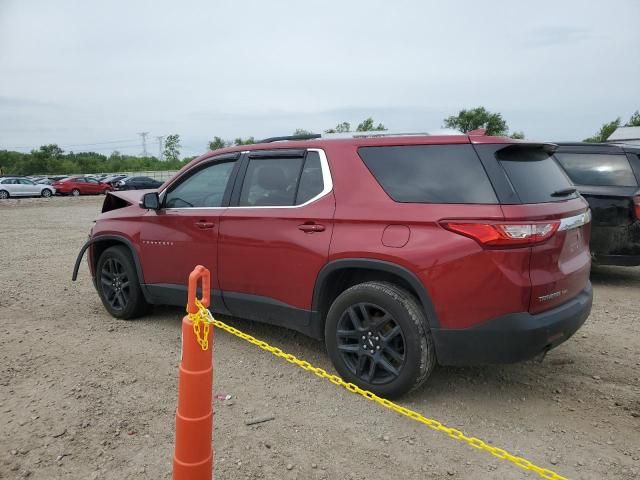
[[85, 396]]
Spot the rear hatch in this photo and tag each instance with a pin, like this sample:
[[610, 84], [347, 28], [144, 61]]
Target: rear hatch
[[542, 209]]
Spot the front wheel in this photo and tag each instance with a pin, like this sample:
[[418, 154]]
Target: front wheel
[[75, 192], [118, 284], [377, 337], [46, 193]]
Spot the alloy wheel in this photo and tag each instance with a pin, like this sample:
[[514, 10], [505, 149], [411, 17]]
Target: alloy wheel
[[371, 343], [114, 282]]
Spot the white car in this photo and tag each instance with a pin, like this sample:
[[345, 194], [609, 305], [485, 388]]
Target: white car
[[23, 187]]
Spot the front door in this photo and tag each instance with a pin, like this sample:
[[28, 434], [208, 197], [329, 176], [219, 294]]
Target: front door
[[183, 233], [274, 237]]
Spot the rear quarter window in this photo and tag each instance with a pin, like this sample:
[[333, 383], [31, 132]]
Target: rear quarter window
[[534, 175], [598, 169], [430, 173]]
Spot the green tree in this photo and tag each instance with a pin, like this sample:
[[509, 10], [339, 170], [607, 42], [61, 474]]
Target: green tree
[[368, 126], [302, 131], [605, 131], [172, 148], [244, 141], [634, 120], [478, 117], [517, 135], [343, 127], [217, 143]]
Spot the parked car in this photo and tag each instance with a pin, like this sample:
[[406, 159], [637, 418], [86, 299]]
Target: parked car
[[23, 187], [112, 179], [137, 183], [81, 186], [400, 251], [608, 177]]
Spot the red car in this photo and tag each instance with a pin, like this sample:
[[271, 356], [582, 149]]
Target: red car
[[81, 186], [399, 251]]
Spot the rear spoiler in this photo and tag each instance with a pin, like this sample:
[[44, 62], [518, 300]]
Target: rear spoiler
[[514, 151]]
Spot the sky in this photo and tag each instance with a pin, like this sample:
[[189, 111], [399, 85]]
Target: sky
[[92, 75]]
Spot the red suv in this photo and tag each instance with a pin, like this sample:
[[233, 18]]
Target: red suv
[[400, 251], [81, 186]]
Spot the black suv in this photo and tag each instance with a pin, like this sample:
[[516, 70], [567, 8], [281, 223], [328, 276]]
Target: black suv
[[608, 177]]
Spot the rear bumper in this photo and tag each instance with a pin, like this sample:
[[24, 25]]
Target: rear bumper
[[515, 337]]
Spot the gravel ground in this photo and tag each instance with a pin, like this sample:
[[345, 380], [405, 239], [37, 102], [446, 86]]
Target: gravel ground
[[86, 396]]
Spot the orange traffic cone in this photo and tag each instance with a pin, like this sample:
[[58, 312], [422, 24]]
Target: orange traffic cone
[[193, 456]]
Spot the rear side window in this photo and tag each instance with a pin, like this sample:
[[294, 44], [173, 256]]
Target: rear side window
[[311, 182], [534, 175], [598, 169], [430, 173], [271, 182]]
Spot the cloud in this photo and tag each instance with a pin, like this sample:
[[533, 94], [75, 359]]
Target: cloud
[[556, 35]]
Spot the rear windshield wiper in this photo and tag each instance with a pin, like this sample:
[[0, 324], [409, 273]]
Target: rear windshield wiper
[[564, 192]]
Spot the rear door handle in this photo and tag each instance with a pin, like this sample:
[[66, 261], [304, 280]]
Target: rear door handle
[[311, 227], [203, 225]]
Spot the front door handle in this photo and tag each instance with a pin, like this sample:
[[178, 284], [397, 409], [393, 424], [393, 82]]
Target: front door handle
[[311, 227], [204, 225]]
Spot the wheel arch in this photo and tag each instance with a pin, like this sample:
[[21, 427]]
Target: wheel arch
[[99, 244], [338, 275]]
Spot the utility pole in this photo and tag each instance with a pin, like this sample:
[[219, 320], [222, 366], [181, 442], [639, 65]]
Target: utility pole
[[160, 139], [144, 143]]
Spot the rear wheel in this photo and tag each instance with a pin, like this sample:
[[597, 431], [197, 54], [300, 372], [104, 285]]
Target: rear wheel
[[4, 194], [118, 284], [377, 337], [46, 193], [75, 192]]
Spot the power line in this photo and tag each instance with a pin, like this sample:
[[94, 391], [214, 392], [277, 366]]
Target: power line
[[160, 139], [144, 143]]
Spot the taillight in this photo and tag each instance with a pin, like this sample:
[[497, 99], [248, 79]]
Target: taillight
[[636, 206], [505, 234]]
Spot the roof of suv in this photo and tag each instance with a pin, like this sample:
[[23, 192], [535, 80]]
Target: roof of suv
[[375, 138]]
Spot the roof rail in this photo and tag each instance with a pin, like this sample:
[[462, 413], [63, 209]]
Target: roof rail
[[387, 133], [306, 136]]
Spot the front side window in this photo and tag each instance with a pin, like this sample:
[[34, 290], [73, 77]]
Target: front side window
[[92, 180], [24, 181], [598, 169], [271, 182], [204, 188]]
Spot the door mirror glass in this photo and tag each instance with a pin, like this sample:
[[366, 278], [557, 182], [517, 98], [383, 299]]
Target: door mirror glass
[[150, 201]]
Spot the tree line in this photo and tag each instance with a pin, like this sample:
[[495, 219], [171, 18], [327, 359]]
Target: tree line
[[51, 159]]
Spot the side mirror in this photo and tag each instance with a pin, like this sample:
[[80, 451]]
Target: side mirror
[[150, 201]]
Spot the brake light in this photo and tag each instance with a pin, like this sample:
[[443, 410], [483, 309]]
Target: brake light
[[505, 234], [636, 206]]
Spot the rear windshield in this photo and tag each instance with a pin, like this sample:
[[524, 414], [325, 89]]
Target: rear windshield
[[430, 173], [535, 176], [598, 169]]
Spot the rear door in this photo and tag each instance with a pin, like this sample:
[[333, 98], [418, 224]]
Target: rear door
[[275, 236], [93, 186], [30, 188], [533, 189]]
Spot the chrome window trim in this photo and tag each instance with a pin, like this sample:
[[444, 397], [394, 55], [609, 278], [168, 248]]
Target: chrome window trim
[[327, 188], [576, 221]]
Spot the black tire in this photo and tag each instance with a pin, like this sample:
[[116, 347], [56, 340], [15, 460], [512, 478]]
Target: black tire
[[75, 192], [379, 308], [118, 284], [46, 193], [4, 195]]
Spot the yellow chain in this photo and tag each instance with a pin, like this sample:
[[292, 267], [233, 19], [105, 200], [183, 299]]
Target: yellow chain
[[204, 316], [201, 324]]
